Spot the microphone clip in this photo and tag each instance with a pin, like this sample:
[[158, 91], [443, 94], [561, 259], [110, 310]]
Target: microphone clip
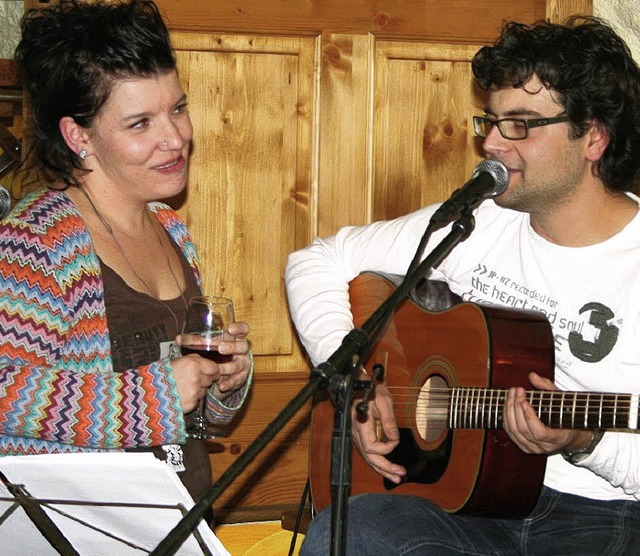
[[368, 387]]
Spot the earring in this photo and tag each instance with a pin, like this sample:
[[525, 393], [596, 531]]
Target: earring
[[82, 154]]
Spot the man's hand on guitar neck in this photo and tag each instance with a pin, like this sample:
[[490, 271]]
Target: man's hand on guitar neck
[[377, 435], [529, 433]]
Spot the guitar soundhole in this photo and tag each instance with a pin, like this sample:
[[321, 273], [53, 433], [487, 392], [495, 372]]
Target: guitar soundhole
[[425, 449], [432, 407]]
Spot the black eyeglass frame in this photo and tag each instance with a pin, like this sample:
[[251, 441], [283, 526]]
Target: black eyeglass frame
[[527, 123]]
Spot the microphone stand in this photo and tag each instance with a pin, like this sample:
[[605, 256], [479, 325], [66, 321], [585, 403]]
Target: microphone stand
[[336, 373]]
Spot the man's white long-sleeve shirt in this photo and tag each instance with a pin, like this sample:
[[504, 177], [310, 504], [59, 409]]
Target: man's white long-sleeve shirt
[[590, 295]]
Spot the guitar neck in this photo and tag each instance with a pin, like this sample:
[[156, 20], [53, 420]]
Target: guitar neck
[[477, 408]]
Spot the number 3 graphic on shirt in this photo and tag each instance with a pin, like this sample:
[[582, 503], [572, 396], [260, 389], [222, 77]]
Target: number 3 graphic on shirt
[[605, 337]]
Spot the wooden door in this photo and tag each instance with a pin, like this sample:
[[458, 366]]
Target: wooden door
[[251, 100]]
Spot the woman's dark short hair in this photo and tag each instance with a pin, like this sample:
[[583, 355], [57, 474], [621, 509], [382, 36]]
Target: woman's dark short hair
[[593, 73], [69, 56]]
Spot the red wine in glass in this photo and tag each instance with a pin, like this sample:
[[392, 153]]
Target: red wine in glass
[[208, 352]]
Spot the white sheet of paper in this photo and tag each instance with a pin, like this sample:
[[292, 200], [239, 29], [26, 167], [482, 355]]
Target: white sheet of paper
[[97, 479]]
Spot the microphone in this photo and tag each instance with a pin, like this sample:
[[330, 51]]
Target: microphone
[[5, 202], [489, 178]]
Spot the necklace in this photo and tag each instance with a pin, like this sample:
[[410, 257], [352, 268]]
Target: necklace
[[122, 252]]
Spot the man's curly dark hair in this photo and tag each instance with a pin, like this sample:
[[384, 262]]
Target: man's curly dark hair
[[593, 73]]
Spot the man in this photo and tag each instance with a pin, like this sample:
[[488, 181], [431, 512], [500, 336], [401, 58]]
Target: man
[[563, 116]]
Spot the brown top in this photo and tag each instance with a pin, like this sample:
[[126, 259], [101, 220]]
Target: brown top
[[142, 330]]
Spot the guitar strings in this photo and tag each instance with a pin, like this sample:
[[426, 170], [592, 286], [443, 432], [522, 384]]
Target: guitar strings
[[478, 405]]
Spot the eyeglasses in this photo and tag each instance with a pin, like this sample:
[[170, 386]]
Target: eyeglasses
[[512, 128]]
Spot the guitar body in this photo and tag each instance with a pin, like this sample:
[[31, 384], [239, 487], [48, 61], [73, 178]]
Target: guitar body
[[473, 471]]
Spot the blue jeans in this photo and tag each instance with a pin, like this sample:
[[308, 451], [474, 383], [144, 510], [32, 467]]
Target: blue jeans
[[560, 525]]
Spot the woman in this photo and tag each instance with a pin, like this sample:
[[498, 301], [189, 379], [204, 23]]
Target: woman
[[95, 273]]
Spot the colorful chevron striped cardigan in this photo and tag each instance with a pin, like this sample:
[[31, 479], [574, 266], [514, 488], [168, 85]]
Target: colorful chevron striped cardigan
[[58, 391]]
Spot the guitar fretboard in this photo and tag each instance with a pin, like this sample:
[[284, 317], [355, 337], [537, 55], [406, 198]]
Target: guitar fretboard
[[478, 408]]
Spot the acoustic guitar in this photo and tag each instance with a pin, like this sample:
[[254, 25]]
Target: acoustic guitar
[[448, 365]]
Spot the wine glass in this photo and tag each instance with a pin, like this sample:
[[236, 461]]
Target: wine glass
[[205, 326]]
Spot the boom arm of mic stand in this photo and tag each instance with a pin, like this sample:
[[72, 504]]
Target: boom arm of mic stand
[[357, 341]]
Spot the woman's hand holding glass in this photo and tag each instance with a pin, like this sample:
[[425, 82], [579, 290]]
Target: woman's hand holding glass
[[234, 371], [215, 352]]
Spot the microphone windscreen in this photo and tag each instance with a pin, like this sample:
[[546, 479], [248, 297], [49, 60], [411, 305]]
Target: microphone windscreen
[[498, 172]]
